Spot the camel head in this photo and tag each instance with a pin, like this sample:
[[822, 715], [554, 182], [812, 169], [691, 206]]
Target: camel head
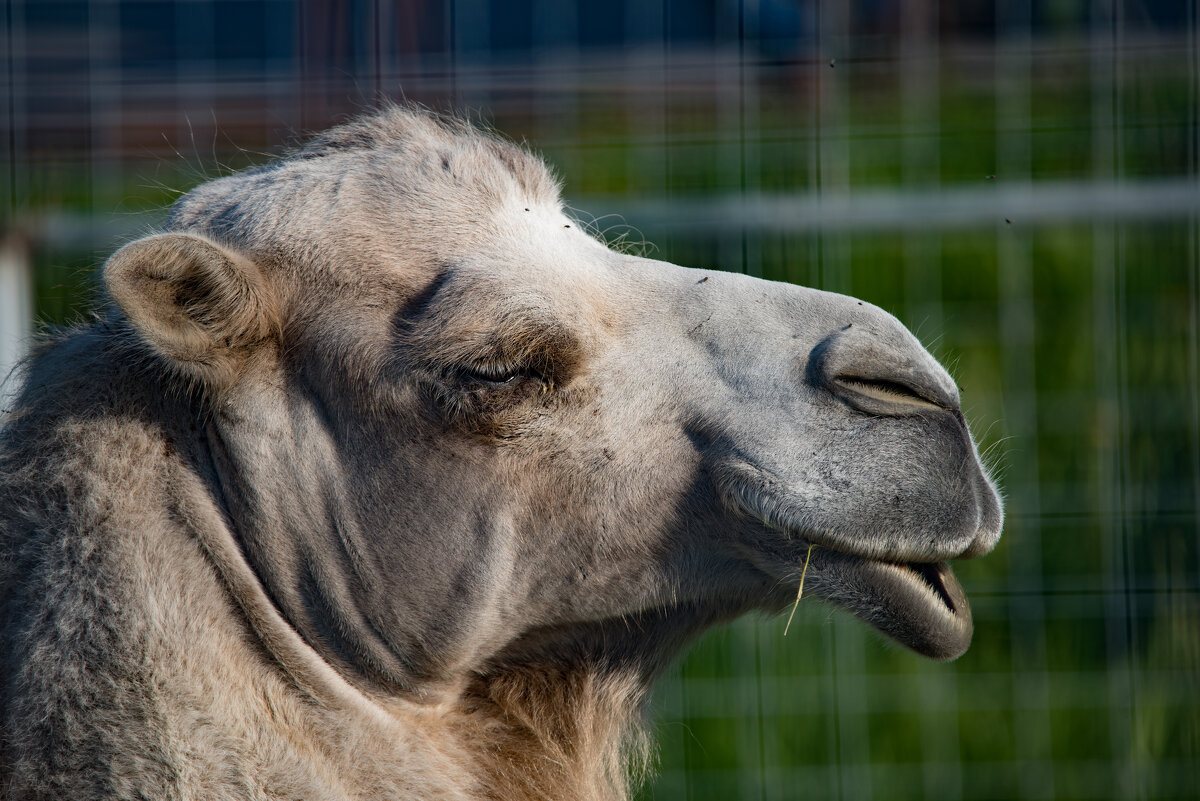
[[454, 434]]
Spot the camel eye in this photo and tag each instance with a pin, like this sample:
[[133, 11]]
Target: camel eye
[[495, 376], [491, 381]]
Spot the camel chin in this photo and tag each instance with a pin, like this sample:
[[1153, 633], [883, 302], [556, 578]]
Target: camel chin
[[920, 605]]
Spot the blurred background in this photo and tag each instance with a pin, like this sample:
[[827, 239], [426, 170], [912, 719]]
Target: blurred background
[[1017, 181]]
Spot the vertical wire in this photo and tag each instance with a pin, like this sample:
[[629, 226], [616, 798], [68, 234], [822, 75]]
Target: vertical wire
[[920, 96], [104, 111], [95, 135], [11, 129], [302, 83], [835, 727], [741, 131], [835, 61], [749, 164], [731, 247], [644, 71], [194, 80], [1030, 692], [1106, 340], [371, 45], [560, 70], [1193, 39], [471, 50], [281, 75], [761, 710], [729, 81], [450, 28], [833, 732], [746, 688], [667, 75], [747, 94], [920, 99], [750, 139], [1130, 502], [815, 161], [1193, 51], [834, 182], [655, 169]]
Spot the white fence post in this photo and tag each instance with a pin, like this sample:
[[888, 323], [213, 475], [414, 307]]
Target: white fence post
[[16, 314]]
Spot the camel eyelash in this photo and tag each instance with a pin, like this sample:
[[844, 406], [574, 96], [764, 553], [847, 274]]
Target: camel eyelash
[[493, 381], [495, 374], [501, 376]]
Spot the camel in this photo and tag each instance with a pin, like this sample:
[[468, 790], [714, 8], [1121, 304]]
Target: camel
[[378, 477]]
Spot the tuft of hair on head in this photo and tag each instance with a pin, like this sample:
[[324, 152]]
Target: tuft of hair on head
[[416, 128]]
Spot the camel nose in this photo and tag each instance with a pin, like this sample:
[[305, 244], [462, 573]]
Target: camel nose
[[880, 368]]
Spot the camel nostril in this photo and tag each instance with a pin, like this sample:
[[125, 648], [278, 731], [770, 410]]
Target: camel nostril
[[886, 390], [881, 368]]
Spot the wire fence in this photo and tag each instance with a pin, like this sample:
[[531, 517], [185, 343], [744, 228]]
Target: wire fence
[[1018, 182]]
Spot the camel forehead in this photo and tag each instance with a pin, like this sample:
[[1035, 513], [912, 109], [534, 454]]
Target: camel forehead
[[539, 280], [403, 201]]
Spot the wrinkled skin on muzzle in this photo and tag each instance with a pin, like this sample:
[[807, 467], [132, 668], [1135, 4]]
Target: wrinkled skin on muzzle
[[823, 420]]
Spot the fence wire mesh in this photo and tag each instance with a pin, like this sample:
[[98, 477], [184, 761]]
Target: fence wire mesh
[[1017, 181]]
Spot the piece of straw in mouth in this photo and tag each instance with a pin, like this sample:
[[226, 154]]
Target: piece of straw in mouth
[[800, 591]]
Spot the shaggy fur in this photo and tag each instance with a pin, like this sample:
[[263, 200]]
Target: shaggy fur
[[378, 478]]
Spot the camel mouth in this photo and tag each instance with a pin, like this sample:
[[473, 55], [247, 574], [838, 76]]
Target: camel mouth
[[936, 576], [920, 605], [901, 585]]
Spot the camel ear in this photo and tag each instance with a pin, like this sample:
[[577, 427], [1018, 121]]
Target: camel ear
[[195, 302]]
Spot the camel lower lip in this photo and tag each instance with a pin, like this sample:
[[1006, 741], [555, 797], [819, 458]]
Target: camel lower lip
[[922, 606]]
